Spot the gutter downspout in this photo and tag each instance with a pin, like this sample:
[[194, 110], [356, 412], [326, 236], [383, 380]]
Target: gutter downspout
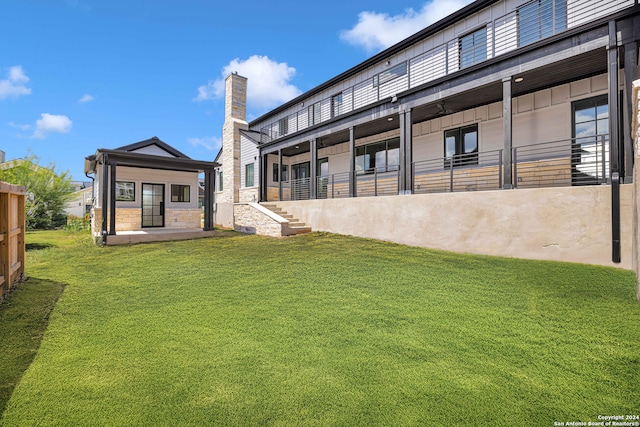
[[93, 199], [614, 151]]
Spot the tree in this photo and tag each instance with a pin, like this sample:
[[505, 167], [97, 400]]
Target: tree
[[47, 191]]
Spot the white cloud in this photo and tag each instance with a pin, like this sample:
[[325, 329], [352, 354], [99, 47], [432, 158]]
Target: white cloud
[[15, 83], [268, 85], [211, 143], [86, 98], [51, 123], [377, 31], [19, 126]]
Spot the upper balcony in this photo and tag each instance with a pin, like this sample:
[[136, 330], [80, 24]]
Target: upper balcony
[[478, 40]]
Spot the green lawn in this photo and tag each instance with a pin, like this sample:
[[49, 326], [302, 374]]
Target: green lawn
[[324, 330]]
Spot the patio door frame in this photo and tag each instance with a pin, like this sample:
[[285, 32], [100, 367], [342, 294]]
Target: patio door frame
[[160, 205]]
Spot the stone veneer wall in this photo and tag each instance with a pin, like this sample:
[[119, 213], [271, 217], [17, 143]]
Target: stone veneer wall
[[235, 119], [251, 218], [128, 219], [183, 218], [249, 194], [96, 218]]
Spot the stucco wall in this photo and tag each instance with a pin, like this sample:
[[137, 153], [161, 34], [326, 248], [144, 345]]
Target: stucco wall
[[224, 215], [563, 224]]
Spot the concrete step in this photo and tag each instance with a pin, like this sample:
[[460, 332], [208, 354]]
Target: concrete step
[[295, 226], [299, 230]]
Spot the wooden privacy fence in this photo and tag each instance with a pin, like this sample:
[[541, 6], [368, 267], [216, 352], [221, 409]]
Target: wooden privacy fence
[[12, 233]]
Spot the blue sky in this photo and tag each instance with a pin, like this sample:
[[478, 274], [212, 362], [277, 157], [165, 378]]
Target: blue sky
[[78, 75]]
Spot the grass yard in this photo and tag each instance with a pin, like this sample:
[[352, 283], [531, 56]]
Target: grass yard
[[324, 330]]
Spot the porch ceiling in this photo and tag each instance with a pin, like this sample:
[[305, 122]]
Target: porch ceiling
[[573, 68], [581, 66], [373, 127]]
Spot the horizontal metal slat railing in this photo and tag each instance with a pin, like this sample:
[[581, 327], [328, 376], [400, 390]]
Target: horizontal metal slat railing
[[578, 161], [333, 186], [465, 172], [377, 182], [300, 189], [568, 162], [531, 22]]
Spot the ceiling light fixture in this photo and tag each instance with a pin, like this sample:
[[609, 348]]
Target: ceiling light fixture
[[297, 146], [390, 119], [519, 79]]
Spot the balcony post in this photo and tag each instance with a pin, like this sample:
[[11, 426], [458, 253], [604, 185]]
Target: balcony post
[[630, 74], [406, 136], [408, 153], [313, 147], [352, 162], [507, 131], [263, 174], [614, 140], [280, 177], [403, 137]]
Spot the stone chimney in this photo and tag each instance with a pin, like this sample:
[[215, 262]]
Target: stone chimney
[[2, 156], [235, 101], [235, 118]]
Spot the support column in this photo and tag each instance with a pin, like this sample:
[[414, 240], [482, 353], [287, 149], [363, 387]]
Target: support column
[[264, 177], [406, 147], [630, 74], [280, 173], [614, 140], [352, 162], [104, 187], [507, 132], [112, 201], [402, 177], [313, 147], [209, 185], [408, 153]]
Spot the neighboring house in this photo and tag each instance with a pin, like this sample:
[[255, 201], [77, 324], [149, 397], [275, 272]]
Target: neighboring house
[[148, 185], [81, 202], [521, 109]]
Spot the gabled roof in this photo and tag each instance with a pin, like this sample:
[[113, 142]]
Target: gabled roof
[[135, 155], [217, 159], [150, 142]]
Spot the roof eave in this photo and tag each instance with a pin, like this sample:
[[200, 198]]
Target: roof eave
[[428, 31]]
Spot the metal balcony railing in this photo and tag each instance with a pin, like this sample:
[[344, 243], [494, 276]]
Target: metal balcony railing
[[377, 182], [578, 161], [464, 172], [530, 22], [568, 162], [333, 186]]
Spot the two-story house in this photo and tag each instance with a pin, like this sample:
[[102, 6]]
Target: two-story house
[[504, 129]]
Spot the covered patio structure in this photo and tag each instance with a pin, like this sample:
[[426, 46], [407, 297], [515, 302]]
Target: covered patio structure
[[142, 164]]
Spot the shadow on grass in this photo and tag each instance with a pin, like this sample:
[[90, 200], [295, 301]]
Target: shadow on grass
[[38, 246], [24, 316]]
